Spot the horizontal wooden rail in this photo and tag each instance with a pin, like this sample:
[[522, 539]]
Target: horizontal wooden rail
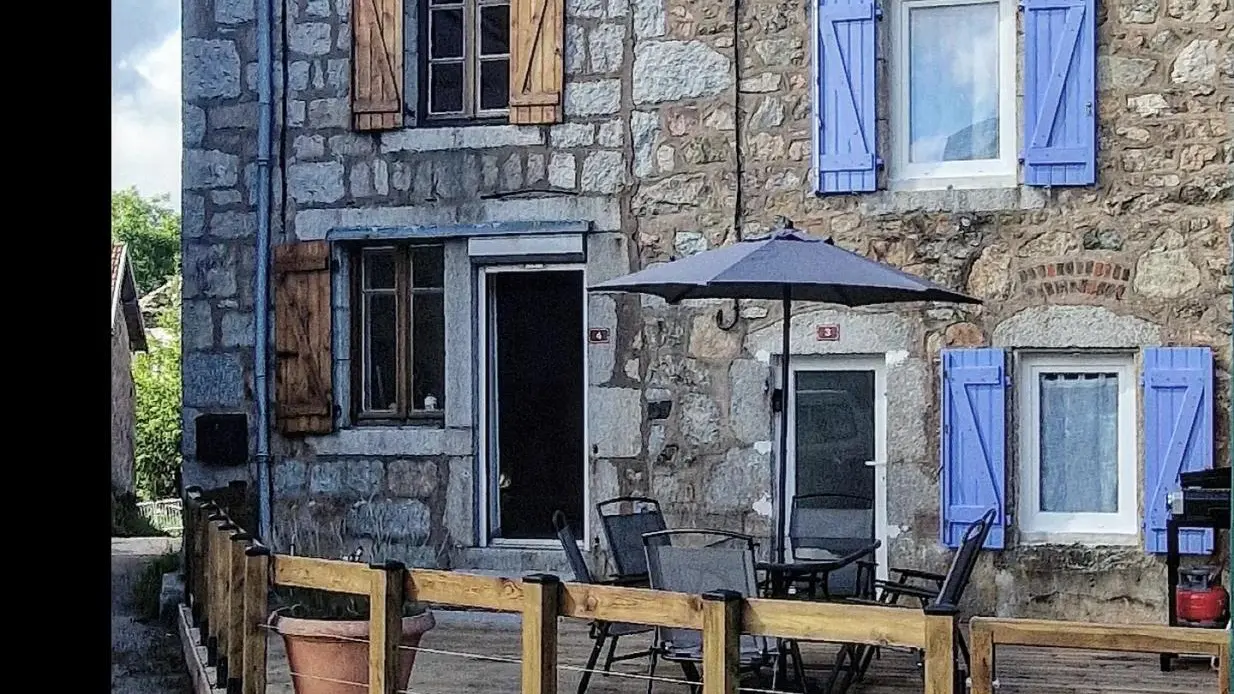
[[632, 605], [988, 632], [465, 590], [323, 574], [879, 626]]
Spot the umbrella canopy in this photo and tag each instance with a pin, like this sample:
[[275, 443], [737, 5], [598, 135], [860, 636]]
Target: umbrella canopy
[[787, 266]]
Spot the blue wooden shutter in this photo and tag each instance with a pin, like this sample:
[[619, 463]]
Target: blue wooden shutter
[[974, 442], [1178, 436], [845, 142], [1060, 92]]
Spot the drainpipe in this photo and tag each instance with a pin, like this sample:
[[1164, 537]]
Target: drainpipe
[[261, 359]]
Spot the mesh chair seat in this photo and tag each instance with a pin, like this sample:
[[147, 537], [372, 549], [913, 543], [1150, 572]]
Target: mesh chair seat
[[625, 629], [751, 655]]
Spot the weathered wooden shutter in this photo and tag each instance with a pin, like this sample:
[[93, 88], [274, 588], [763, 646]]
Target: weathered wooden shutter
[[377, 64], [537, 34], [303, 382], [844, 100], [974, 442], [1178, 436], [1060, 92]]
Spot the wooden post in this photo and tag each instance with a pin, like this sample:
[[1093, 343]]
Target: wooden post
[[256, 594], [385, 626], [222, 613], [940, 671], [189, 511], [210, 624], [202, 570], [981, 652], [235, 611], [541, 603], [721, 641], [1225, 681]]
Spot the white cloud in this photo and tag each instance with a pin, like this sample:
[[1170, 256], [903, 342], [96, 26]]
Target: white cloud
[[145, 123]]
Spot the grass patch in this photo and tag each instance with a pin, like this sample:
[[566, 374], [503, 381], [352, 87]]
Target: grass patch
[[127, 521], [149, 584]]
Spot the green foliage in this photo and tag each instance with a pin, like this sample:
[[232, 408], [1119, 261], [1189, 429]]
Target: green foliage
[[156, 378], [127, 521], [151, 228], [149, 585]]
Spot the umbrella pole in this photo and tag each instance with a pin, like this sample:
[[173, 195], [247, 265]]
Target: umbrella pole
[[782, 523]]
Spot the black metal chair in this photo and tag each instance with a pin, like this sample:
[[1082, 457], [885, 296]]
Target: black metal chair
[[854, 659], [600, 631], [625, 520], [708, 560], [826, 526]]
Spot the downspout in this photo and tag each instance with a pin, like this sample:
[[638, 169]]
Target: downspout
[[261, 359]]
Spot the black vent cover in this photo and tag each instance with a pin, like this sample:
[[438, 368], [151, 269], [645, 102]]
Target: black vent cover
[[223, 439]]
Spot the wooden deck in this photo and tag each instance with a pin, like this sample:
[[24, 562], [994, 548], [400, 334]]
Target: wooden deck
[[1019, 671]]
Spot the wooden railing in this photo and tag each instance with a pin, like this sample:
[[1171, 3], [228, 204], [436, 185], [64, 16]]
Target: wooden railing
[[987, 633], [228, 576]]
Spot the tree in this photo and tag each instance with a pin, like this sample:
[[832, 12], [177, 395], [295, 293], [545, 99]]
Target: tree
[[156, 379], [151, 228]]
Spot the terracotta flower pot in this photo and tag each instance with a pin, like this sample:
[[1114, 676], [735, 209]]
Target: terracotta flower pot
[[325, 654]]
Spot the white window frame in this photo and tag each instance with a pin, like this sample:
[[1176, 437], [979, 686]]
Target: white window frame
[[985, 173], [1121, 527]]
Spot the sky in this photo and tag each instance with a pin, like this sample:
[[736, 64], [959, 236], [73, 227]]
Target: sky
[[145, 97]]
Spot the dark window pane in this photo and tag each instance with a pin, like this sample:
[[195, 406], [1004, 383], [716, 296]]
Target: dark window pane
[[426, 266], [446, 33], [379, 269], [444, 2], [428, 350], [380, 369], [446, 90], [495, 30], [494, 84]]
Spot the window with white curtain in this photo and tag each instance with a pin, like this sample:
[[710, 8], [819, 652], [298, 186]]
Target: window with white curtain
[[1076, 420]]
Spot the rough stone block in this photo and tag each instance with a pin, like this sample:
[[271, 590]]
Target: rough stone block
[[317, 8], [290, 477], [569, 135], [213, 380], [209, 168], [192, 215], [575, 49], [211, 69], [361, 180], [416, 479], [593, 98], [649, 18], [338, 76], [233, 225], [316, 182], [197, 325], [226, 197], [603, 172], [561, 170], [675, 70], [403, 520], [616, 421], [210, 270], [298, 76], [605, 45], [193, 124], [311, 38], [644, 131], [1197, 62], [601, 313], [612, 134], [329, 113], [585, 8], [236, 329], [749, 410], [308, 147], [347, 478]]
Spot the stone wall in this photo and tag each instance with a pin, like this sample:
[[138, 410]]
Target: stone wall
[[123, 409], [689, 127]]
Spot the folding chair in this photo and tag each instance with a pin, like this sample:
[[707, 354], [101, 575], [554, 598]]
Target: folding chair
[[625, 520], [600, 631], [825, 526]]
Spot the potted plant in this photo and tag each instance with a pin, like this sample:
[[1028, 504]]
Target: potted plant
[[326, 638]]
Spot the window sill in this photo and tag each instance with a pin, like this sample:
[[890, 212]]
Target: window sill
[[1100, 539], [428, 422], [993, 198], [437, 136]]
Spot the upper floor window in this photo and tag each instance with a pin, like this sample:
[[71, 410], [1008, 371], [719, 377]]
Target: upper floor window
[[953, 90], [467, 58], [1077, 446], [400, 331]]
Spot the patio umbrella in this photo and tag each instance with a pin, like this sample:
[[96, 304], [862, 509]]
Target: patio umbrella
[[788, 266]]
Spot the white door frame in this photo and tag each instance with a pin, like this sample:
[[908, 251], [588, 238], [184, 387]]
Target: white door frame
[[485, 453], [841, 362]]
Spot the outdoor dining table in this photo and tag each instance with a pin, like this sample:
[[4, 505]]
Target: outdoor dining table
[[817, 572]]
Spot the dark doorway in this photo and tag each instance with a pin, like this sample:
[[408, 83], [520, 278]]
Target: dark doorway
[[537, 390]]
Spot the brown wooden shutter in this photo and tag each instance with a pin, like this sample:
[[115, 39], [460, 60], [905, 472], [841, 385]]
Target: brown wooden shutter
[[303, 375], [377, 64], [537, 34]]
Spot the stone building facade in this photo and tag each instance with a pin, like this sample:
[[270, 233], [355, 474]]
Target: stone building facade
[[128, 335], [685, 126]]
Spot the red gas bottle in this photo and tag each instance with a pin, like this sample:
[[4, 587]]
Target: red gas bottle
[[1200, 599]]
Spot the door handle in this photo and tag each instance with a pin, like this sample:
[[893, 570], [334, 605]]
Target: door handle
[[875, 463]]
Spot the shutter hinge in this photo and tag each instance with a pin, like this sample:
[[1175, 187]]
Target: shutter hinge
[[1007, 380], [878, 162], [878, 11]]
